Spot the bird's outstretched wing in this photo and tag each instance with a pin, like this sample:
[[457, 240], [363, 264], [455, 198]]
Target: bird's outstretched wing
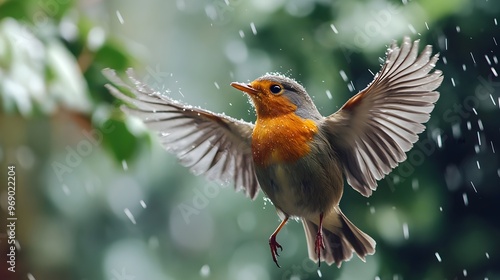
[[211, 144], [374, 129]]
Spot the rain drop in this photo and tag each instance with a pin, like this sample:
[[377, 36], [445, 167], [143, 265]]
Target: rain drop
[[455, 129], [477, 163], [205, 271], [466, 199], [487, 255], [464, 272], [351, 86], [458, 29], [438, 257], [412, 29], [66, 189], [453, 82], [343, 75], [334, 29], [254, 30], [480, 124], [492, 100], [487, 59], [469, 126], [414, 184], [320, 275], [216, 85], [473, 59], [119, 16], [406, 232], [426, 25], [242, 34], [492, 147], [143, 204], [129, 215], [329, 94], [124, 165], [31, 277], [439, 141], [494, 72], [472, 183]]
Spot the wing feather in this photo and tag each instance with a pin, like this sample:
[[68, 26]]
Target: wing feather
[[209, 144], [374, 129]]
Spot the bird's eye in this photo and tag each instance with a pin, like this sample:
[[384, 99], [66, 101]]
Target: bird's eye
[[275, 89]]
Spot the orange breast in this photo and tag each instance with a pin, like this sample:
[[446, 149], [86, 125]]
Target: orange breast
[[281, 139]]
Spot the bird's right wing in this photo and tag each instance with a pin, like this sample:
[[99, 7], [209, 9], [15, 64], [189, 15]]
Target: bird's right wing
[[215, 145], [374, 129]]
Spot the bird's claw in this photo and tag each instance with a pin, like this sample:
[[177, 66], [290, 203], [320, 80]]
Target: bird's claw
[[274, 245], [319, 244]]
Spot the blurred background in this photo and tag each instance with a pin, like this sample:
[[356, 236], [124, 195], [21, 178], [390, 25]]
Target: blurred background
[[98, 198]]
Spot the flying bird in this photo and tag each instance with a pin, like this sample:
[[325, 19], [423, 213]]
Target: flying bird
[[296, 156]]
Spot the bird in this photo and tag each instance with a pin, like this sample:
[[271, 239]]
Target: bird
[[297, 157]]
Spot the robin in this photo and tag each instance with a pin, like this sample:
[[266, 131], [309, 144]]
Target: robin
[[294, 154]]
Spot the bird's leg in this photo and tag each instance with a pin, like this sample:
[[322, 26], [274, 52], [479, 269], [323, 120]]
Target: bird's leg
[[319, 239], [274, 244]]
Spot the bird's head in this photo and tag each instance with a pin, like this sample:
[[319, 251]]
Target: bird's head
[[276, 95]]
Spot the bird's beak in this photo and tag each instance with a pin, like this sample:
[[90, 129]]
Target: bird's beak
[[245, 88]]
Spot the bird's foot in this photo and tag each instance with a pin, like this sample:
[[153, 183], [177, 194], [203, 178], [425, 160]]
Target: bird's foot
[[319, 245], [274, 245]]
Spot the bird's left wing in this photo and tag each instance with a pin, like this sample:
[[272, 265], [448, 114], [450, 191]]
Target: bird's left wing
[[214, 145], [374, 129]]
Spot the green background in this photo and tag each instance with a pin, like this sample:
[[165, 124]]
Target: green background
[[97, 197]]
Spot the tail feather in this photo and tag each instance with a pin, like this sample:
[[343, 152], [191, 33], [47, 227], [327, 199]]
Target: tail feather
[[341, 239]]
